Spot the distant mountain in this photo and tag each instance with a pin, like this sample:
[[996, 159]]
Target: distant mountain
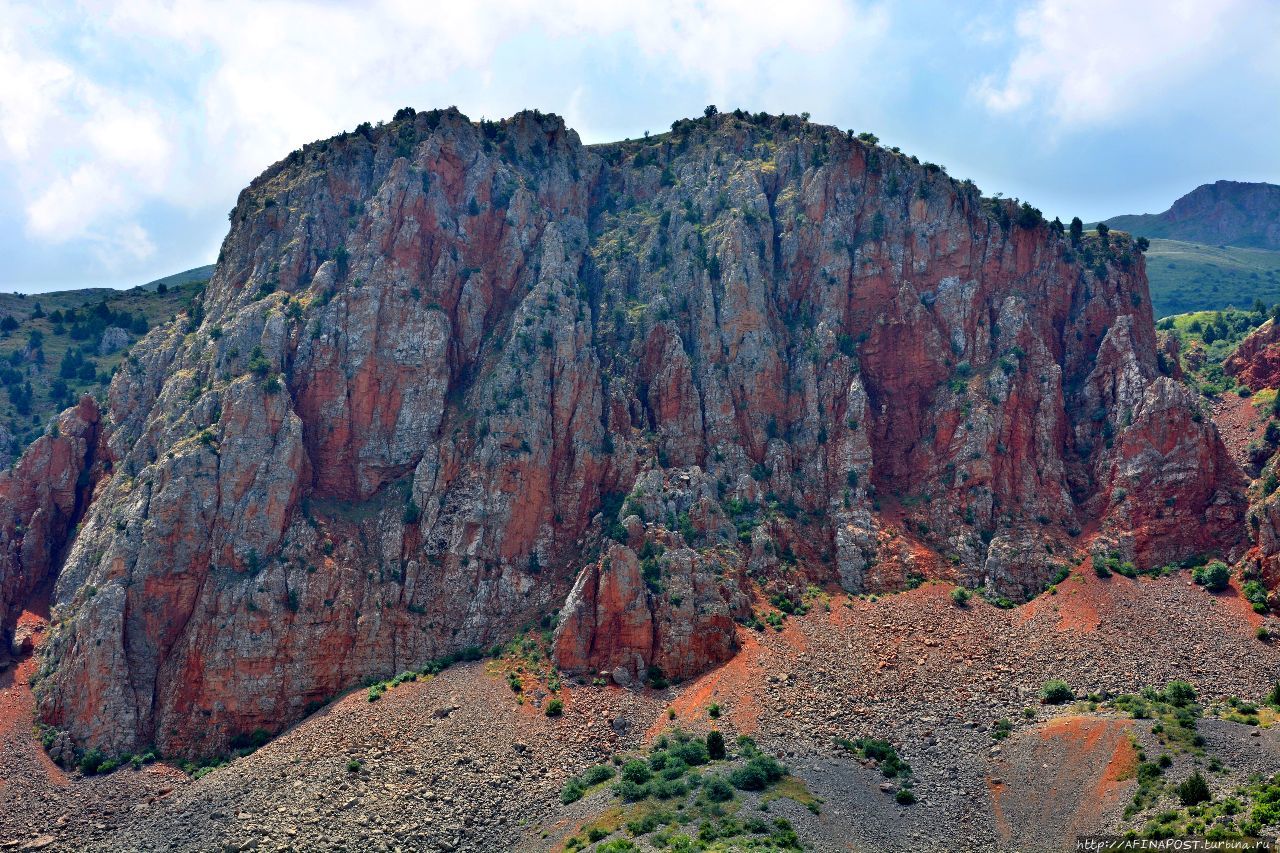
[[1225, 213], [180, 278]]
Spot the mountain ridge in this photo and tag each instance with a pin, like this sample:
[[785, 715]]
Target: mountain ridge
[[1224, 213], [448, 373]]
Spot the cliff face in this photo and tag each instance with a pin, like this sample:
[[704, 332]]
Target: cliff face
[[447, 374], [1256, 362], [41, 498]]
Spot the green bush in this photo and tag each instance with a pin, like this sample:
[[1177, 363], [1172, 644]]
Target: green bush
[[92, 761], [1213, 577], [879, 751], [960, 596], [629, 791], [1194, 790], [597, 774], [905, 797], [1179, 693], [572, 791], [636, 771], [715, 745], [718, 789], [555, 708], [1055, 692], [758, 773], [1256, 593]]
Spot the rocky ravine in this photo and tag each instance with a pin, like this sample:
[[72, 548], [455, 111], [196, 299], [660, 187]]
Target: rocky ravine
[[443, 369]]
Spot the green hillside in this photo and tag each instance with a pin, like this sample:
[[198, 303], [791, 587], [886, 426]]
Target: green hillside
[[180, 278], [1188, 277], [52, 349], [1205, 340]]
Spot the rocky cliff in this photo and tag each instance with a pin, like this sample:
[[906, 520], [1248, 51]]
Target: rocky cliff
[[1256, 361], [41, 499], [449, 378]]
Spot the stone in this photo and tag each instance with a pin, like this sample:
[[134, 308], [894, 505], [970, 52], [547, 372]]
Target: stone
[[113, 340]]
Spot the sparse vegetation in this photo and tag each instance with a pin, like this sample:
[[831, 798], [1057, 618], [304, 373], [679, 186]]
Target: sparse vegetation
[[1214, 577], [678, 784], [1056, 692]]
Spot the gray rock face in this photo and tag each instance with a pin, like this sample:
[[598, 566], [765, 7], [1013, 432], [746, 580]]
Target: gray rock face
[[113, 340]]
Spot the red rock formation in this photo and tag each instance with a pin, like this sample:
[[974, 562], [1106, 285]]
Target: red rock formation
[[437, 356], [41, 497], [1256, 361]]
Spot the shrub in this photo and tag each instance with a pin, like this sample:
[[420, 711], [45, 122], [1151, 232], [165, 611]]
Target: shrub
[[713, 711], [715, 745], [597, 774], [1055, 692], [353, 766], [879, 751], [636, 771], [1256, 594], [904, 797], [628, 791], [693, 752], [1194, 790], [1179, 693], [758, 773], [718, 789], [92, 761], [572, 791], [960, 596], [555, 708], [1213, 577]]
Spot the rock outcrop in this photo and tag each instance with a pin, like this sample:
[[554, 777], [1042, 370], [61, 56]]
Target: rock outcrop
[[1256, 361], [447, 374], [41, 499]]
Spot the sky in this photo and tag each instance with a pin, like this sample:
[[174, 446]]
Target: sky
[[127, 129]]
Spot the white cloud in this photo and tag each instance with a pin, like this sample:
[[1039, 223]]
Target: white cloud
[[181, 102], [1084, 64]]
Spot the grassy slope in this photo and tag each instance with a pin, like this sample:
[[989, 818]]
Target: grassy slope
[[15, 351], [1189, 277], [1203, 361], [180, 278]]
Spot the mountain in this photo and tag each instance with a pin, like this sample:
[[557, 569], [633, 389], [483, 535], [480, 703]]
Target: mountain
[[1216, 247], [1224, 213], [451, 377]]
